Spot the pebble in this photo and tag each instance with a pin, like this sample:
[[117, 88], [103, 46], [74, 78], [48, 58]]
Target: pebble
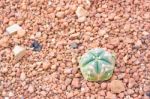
[[19, 52], [4, 41], [74, 45], [10, 94], [36, 46], [114, 41], [31, 89], [46, 65], [127, 27], [13, 29], [68, 70], [43, 93], [68, 81], [145, 33], [69, 95], [81, 12], [6, 98], [148, 93], [88, 2], [75, 83], [60, 14], [38, 34], [102, 32], [138, 44], [82, 19], [130, 91], [54, 67], [4, 70], [22, 76], [21, 33], [110, 95], [104, 85], [117, 86]]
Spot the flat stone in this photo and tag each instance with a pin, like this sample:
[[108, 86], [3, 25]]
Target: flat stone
[[19, 52], [13, 29], [117, 86]]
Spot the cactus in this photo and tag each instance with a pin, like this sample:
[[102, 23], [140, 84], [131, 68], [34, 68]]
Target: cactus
[[97, 65]]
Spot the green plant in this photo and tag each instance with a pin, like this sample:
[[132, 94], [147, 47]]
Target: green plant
[[97, 65]]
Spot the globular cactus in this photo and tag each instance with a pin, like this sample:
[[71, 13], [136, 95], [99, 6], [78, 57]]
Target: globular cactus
[[97, 65]]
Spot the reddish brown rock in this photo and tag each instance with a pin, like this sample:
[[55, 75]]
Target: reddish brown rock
[[76, 83]]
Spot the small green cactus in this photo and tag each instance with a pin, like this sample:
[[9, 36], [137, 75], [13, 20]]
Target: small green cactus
[[97, 65]]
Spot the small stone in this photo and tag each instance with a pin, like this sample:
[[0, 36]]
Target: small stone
[[110, 95], [117, 86], [13, 29], [102, 32], [75, 83], [19, 52], [103, 85], [125, 58], [68, 81], [68, 70], [10, 94], [114, 41], [46, 65], [128, 40], [127, 27], [145, 33], [69, 95], [130, 91], [82, 19], [6, 97], [38, 34], [81, 12], [21, 33], [53, 67], [148, 93], [43, 93], [60, 14], [22, 76], [74, 45], [4, 70], [73, 60], [4, 41], [31, 89], [36, 46], [88, 2]]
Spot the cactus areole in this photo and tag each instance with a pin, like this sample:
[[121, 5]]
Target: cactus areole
[[97, 65]]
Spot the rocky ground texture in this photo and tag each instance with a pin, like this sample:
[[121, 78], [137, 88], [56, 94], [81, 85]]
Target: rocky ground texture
[[62, 30]]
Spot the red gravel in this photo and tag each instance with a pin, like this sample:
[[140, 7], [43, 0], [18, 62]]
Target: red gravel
[[120, 26]]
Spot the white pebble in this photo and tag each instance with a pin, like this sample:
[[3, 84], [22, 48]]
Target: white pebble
[[81, 12], [11, 94], [23, 76], [13, 29], [6, 97], [19, 52]]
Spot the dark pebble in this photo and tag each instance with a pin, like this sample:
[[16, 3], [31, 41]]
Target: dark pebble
[[148, 93], [36, 46], [74, 45]]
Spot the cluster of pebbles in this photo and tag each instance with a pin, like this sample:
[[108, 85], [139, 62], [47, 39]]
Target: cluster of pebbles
[[65, 30]]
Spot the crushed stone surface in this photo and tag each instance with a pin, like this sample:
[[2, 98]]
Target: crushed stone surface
[[119, 26]]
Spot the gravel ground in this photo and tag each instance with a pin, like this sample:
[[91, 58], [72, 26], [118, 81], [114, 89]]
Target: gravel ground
[[62, 35]]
